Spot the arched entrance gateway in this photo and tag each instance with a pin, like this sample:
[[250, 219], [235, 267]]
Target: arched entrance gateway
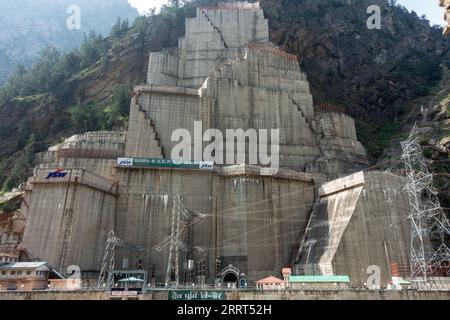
[[230, 276]]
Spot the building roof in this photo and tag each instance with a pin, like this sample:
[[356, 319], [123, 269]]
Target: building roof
[[22, 265], [270, 280], [328, 108], [10, 196], [400, 281], [131, 279], [321, 279]]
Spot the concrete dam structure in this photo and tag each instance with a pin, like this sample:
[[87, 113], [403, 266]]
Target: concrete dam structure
[[231, 221], [358, 221]]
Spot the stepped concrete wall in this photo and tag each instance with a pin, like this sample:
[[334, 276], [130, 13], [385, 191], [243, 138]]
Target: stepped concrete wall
[[359, 221], [159, 113], [243, 95], [341, 152], [96, 152], [69, 219], [239, 26], [250, 221], [142, 138], [243, 82], [227, 75]]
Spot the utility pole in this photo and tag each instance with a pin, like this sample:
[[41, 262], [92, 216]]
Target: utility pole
[[429, 225]]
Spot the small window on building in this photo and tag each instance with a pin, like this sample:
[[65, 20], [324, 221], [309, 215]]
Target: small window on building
[[3, 273], [19, 273], [28, 273], [13, 273]]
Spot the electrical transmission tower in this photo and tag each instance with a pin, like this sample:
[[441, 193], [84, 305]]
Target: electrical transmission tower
[[173, 265], [429, 225], [181, 227], [108, 261]]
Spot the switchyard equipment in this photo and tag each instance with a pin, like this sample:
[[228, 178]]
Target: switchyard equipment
[[107, 273]]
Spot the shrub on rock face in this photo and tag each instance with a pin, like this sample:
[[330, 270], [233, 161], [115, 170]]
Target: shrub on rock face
[[21, 166]]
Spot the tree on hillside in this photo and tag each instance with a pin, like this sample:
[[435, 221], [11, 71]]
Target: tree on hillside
[[22, 166]]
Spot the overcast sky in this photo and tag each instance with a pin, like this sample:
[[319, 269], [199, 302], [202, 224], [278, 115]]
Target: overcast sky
[[144, 5], [428, 7]]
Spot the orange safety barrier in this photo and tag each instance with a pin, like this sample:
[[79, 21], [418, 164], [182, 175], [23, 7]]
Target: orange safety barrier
[[264, 48], [328, 107], [394, 269], [5, 220]]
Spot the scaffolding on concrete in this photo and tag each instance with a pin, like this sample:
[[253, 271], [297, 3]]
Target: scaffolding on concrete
[[429, 225], [88, 153]]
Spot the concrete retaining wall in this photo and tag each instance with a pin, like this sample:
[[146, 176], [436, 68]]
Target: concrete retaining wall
[[245, 295], [250, 221], [68, 221], [359, 221]]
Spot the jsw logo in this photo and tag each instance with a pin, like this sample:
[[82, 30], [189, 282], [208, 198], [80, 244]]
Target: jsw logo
[[57, 174], [206, 165], [126, 163]]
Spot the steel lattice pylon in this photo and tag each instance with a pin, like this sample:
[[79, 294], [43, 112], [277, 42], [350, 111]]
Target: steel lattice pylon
[[173, 266], [183, 219], [429, 225], [109, 258]]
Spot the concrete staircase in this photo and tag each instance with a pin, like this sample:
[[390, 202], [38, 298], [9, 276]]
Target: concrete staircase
[[215, 28], [151, 123]]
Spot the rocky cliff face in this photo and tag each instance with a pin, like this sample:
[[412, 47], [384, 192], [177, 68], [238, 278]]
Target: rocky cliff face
[[432, 117], [436, 145], [374, 74], [377, 75]]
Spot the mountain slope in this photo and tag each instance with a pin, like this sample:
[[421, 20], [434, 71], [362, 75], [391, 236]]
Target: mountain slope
[[374, 74], [377, 75], [28, 26]]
